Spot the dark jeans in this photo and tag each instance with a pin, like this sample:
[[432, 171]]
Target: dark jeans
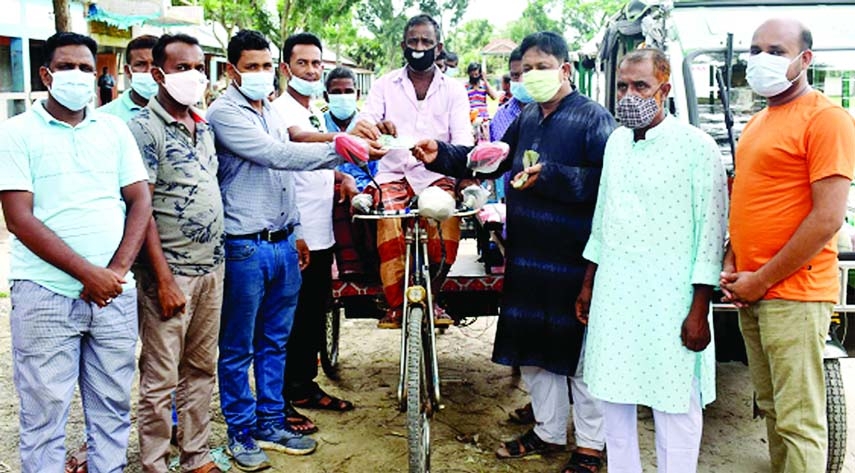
[[307, 332], [262, 283]]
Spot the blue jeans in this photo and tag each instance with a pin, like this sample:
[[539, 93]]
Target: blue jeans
[[57, 343], [262, 283]]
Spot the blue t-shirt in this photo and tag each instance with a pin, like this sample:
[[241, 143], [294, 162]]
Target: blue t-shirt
[[362, 179]]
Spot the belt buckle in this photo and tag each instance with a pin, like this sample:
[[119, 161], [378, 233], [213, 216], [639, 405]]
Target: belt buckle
[[267, 235]]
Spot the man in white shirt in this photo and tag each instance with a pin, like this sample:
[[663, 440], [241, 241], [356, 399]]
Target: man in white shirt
[[303, 68]]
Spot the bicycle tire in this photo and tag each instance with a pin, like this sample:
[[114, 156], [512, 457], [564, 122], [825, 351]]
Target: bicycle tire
[[418, 428], [836, 416], [330, 343]]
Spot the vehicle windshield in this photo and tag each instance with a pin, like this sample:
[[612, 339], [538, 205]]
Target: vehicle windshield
[[832, 72], [706, 29]]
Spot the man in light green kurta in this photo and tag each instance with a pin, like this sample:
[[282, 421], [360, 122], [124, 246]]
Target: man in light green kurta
[[656, 249]]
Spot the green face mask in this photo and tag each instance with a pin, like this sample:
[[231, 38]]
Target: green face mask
[[542, 85]]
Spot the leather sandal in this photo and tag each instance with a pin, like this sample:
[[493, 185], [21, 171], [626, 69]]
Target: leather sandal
[[526, 444], [583, 463]]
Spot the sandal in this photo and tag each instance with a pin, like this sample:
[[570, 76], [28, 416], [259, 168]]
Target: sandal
[[527, 444], [298, 422], [583, 463], [76, 462], [522, 415], [323, 401]]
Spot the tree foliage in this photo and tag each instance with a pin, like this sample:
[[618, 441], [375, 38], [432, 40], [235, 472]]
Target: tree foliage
[[468, 40], [578, 20]]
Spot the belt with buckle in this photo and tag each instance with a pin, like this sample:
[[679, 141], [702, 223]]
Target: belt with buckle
[[271, 236]]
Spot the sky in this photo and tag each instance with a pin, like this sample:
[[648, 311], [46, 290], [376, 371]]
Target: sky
[[498, 12]]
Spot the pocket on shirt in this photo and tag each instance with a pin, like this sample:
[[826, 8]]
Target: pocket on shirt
[[239, 250]]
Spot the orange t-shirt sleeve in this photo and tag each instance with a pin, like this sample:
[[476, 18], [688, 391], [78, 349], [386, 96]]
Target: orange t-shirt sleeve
[[830, 144]]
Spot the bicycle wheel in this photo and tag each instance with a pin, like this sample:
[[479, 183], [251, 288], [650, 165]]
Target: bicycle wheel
[[418, 400], [329, 345], [836, 416]]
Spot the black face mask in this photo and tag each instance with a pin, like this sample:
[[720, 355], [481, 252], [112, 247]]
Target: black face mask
[[422, 63]]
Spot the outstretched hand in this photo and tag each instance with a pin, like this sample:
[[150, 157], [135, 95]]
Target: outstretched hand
[[426, 151]]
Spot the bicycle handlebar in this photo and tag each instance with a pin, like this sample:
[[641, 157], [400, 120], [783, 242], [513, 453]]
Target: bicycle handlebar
[[407, 213]]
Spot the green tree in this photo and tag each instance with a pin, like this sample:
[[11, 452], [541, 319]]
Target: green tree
[[367, 52], [537, 16], [586, 17], [385, 19], [235, 15], [446, 12], [577, 20], [468, 40]]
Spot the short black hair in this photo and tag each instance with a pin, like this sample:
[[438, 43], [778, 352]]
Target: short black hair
[[807, 39], [441, 56], [158, 52], [308, 39], [516, 55], [506, 78], [548, 42], [423, 19], [339, 73], [450, 57], [65, 38], [473, 66], [145, 41], [246, 40]]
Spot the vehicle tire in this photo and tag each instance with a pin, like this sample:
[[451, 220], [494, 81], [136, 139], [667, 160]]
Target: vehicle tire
[[329, 345], [836, 416], [418, 427]]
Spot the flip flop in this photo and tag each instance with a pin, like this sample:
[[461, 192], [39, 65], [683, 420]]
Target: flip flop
[[583, 463], [76, 462], [298, 422], [323, 401], [526, 444]]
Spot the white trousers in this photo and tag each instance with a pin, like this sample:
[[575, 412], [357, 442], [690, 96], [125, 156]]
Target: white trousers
[[551, 404], [678, 437]]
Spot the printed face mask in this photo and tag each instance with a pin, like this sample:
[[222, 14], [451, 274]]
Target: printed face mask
[[635, 112], [186, 87], [73, 89], [144, 84], [342, 106], [520, 93], [542, 85], [767, 74], [255, 85], [420, 60]]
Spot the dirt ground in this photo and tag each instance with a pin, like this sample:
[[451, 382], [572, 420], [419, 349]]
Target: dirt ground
[[477, 398]]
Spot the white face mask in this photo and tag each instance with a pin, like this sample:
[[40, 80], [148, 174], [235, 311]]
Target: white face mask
[[187, 87], [143, 83], [73, 88], [767, 74], [255, 85]]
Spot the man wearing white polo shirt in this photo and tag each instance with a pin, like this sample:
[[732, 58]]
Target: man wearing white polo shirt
[[75, 197]]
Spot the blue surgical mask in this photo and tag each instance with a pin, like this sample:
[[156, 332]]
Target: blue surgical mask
[[451, 72], [143, 84], [255, 85], [73, 88], [306, 88], [342, 106], [520, 93]]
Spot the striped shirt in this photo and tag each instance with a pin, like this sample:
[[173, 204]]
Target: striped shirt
[[478, 99]]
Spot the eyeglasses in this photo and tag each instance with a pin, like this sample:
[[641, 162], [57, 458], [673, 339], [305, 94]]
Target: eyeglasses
[[315, 121]]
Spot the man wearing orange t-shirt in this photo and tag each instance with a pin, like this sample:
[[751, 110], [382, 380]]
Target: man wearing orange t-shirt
[[795, 163]]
